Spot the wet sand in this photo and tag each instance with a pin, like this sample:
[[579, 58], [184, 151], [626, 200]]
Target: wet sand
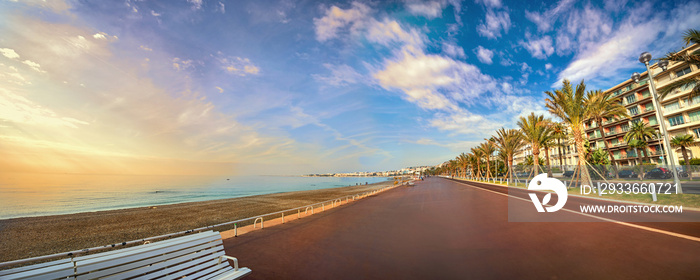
[[37, 236]]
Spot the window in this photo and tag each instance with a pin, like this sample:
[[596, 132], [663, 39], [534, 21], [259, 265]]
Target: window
[[671, 107], [682, 72], [648, 107], [625, 127], [694, 116], [636, 120], [628, 87], [676, 120], [645, 93], [631, 98], [652, 120], [697, 132], [634, 111]]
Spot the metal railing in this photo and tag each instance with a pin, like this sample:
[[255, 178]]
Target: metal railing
[[235, 223]]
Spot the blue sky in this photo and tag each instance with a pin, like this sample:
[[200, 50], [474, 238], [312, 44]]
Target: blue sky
[[290, 87]]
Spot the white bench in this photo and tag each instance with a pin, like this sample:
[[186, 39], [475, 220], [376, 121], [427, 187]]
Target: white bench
[[196, 256]]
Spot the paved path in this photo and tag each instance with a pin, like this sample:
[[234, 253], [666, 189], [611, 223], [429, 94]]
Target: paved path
[[441, 229]]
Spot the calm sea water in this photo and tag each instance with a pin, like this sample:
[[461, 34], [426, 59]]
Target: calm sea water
[[25, 195]]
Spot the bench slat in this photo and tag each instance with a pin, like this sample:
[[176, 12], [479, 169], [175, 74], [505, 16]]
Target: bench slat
[[243, 271], [52, 270], [168, 266], [161, 261], [199, 267], [185, 268], [146, 253], [136, 249]]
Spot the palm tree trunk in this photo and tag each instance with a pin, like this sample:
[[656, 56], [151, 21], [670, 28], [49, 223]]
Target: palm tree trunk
[[488, 167], [687, 162], [535, 159], [549, 166], [585, 177], [561, 160]]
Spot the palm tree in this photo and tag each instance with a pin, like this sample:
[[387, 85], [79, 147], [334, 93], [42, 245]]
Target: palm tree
[[477, 159], [570, 106], [641, 132], [487, 149], [463, 160], [535, 129], [602, 105], [636, 145], [548, 144], [684, 141], [559, 133], [691, 36], [508, 142]]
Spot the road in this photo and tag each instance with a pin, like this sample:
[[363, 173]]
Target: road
[[441, 229]]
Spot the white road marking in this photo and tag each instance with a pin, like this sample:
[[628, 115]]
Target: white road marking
[[697, 239]]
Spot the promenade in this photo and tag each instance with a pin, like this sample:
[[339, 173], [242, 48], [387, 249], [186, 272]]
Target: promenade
[[441, 229]]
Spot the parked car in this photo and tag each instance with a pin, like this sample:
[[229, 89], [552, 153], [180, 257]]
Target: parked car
[[627, 174], [659, 173], [568, 174]]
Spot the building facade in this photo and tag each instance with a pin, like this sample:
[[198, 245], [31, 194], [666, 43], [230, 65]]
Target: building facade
[[680, 114]]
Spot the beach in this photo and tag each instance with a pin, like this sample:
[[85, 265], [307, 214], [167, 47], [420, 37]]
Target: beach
[[38, 236]]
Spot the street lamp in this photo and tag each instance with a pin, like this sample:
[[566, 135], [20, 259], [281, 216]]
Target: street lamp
[[645, 57]]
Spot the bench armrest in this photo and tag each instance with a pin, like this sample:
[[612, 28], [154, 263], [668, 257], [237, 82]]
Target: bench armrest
[[235, 261]]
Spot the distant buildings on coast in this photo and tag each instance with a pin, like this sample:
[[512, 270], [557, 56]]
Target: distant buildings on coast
[[405, 171]]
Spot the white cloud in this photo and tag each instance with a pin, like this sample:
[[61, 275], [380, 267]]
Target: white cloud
[[635, 34], [538, 48], [222, 7], [453, 50], [9, 53], [386, 32], [545, 20], [196, 4], [548, 66], [433, 81], [153, 13], [337, 19], [341, 75], [237, 65], [484, 55], [35, 66], [221, 90], [494, 24], [490, 3], [179, 64], [18, 109], [101, 36], [464, 122], [145, 48], [431, 8]]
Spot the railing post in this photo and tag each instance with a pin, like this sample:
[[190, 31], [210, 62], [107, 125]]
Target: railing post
[[323, 207], [299, 213], [235, 230], [283, 217]]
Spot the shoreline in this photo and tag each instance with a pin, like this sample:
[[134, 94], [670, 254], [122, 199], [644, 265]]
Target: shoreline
[[43, 235]]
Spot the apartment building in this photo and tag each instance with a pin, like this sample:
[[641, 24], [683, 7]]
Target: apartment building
[[681, 114]]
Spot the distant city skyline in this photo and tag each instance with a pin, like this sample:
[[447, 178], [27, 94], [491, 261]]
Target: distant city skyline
[[287, 87]]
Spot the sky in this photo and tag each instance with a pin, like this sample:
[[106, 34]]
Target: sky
[[297, 87]]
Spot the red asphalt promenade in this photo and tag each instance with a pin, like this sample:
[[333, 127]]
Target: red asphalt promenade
[[442, 229]]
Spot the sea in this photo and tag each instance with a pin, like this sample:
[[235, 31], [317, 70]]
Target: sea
[[29, 195]]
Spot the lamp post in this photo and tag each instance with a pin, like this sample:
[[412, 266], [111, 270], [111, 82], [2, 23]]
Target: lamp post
[[645, 57]]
